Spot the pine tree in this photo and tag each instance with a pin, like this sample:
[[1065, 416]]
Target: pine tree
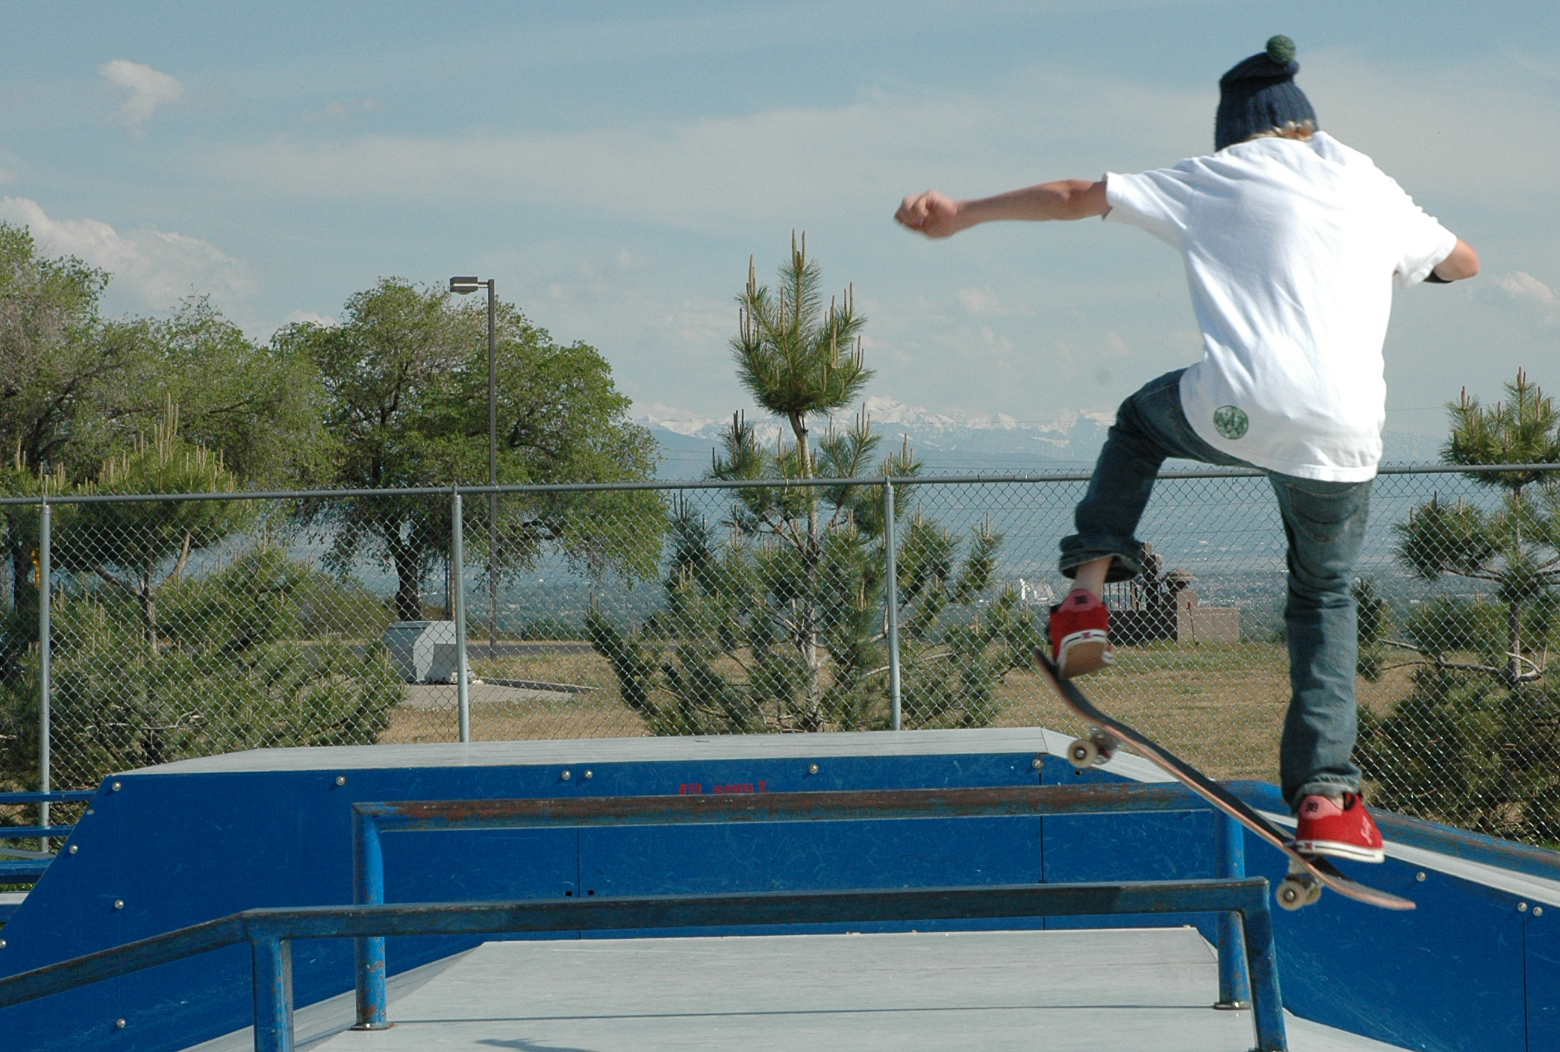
[[774, 616], [1477, 742]]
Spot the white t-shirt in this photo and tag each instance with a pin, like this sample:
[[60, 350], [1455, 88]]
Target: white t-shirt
[[1291, 248]]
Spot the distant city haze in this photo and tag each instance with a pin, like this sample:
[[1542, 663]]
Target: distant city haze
[[613, 167]]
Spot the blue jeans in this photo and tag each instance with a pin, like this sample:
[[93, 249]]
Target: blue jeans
[[1325, 525]]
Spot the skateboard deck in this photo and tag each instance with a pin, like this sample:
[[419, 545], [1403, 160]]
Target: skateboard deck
[[1308, 874]]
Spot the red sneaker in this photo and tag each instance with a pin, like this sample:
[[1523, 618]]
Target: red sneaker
[[1080, 640], [1343, 831]]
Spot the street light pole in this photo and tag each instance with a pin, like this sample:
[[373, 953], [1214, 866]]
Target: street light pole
[[462, 286]]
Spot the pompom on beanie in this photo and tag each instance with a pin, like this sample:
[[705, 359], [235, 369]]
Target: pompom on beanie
[[1259, 93]]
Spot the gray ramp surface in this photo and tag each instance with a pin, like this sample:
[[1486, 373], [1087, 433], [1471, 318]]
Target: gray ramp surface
[[1143, 990]]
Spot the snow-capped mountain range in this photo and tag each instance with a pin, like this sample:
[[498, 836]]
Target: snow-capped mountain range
[[947, 443]]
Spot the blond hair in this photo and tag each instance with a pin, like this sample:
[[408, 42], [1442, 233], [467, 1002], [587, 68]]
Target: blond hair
[[1299, 130]]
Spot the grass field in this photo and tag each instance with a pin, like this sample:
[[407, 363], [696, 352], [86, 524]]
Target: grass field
[[1219, 706]]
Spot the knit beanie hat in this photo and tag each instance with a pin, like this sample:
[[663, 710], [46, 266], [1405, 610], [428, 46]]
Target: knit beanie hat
[[1260, 93]]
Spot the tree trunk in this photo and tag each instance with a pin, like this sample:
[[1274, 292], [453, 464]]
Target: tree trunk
[[146, 595], [812, 555], [1514, 616], [408, 593], [1513, 643], [23, 592]]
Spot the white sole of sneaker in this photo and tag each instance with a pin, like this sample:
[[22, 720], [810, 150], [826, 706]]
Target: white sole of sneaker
[[1085, 651], [1338, 849]]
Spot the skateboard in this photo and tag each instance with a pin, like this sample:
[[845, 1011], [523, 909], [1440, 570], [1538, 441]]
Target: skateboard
[[1308, 874]]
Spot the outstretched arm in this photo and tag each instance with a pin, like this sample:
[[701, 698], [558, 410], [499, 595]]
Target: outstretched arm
[[937, 215]]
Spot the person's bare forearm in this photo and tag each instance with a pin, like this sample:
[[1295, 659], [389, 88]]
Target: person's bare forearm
[[1062, 199], [1462, 263], [937, 215]]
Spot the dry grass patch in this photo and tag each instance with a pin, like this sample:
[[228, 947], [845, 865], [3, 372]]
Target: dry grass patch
[[1220, 707]]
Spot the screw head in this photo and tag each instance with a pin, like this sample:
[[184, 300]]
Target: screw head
[[589, 775], [1037, 763], [341, 779], [567, 775], [1538, 911], [119, 1024], [1420, 876], [2, 944], [812, 768], [1521, 907], [115, 787], [71, 850], [119, 904]]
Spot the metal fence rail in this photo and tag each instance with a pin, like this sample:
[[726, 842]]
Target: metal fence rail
[[150, 627]]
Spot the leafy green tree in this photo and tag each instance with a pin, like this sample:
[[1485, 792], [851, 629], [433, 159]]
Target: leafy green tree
[[1475, 742], [139, 546], [1514, 548], [260, 407], [76, 390], [1374, 621], [774, 617], [405, 381], [59, 365], [233, 673]]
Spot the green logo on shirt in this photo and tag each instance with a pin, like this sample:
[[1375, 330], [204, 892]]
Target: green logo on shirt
[[1231, 421]]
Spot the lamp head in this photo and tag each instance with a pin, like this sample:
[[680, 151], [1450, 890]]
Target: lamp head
[[464, 285]]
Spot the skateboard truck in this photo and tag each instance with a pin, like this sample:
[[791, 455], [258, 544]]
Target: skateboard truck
[[1092, 751], [1297, 889]]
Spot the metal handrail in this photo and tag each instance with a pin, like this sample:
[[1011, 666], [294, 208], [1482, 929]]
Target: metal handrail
[[270, 932], [59, 796], [372, 819]]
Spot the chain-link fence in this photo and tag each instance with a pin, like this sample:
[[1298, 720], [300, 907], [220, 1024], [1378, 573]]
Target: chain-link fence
[[151, 629]]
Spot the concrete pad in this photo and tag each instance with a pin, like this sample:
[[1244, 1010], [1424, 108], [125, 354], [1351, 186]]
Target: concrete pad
[[1143, 990]]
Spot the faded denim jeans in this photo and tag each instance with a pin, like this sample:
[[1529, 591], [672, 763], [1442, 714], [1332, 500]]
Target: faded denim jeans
[[1325, 525]]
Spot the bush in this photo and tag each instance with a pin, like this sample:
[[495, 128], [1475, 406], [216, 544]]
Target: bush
[[235, 669]]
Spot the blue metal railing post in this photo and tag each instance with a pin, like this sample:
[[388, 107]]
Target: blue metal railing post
[[272, 959], [368, 888], [1267, 1004], [1234, 987]]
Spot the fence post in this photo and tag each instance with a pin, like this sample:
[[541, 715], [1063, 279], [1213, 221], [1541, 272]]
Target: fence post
[[891, 599], [45, 646], [458, 572]]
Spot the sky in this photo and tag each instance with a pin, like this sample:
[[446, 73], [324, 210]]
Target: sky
[[614, 166]]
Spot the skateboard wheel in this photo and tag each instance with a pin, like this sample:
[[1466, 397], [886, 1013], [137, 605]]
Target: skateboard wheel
[[1293, 894], [1083, 753]]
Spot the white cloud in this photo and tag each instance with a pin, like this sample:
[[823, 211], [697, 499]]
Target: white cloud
[[979, 301], [309, 317], [729, 173], [1520, 285], [157, 267], [149, 88]]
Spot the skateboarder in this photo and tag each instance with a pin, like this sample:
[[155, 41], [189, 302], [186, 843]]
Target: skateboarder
[[1291, 242]]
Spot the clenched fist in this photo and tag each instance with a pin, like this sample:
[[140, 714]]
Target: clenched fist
[[931, 213]]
